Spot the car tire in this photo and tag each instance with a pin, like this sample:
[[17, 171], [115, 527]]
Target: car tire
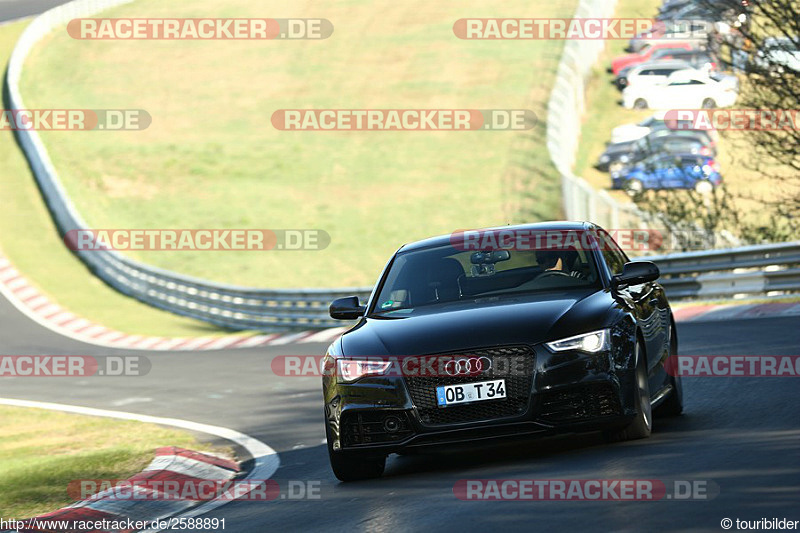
[[640, 103], [709, 103], [634, 188], [350, 466], [673, 404], [703, 187], [642, 425]]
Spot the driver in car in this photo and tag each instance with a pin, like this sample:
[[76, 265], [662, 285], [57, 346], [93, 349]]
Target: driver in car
[[562, 261]]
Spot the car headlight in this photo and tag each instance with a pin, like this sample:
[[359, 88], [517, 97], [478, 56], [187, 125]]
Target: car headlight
[[593, 342], [349, 370], [604, 158]]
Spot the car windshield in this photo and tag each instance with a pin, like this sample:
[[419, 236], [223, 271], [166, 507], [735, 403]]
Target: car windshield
[[445, 275]]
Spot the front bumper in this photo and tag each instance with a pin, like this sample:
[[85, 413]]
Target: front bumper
[[566, 392]]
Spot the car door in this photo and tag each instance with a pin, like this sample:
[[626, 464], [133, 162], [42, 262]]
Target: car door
[[680, 93], [691, 170], [647, 303], [670, 174]]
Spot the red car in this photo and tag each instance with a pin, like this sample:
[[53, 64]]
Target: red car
[[645, 53]]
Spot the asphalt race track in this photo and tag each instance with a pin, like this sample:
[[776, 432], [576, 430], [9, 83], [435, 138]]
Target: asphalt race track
[[740, 433], [743, 434], [14, 9]]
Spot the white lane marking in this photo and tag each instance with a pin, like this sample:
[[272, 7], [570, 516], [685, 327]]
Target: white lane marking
[[266, 460], [128, 401]]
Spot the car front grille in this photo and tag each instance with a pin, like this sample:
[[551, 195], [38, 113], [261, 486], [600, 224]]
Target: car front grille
[[579, 403], [514, 364]]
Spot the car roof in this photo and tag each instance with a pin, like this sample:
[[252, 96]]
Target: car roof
[[442, 240], [673, 155], [689, 74], [663, 63], [677, 133]]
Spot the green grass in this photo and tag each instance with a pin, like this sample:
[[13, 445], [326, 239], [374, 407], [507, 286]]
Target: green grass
[[30, 240], [211, 158], [41, 452]]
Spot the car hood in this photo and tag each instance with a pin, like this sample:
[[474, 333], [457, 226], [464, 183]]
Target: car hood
[[619, 148], [623, 61], [629, 132], [512, 321]]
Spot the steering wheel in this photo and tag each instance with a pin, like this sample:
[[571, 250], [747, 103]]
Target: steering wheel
[[553, 273]]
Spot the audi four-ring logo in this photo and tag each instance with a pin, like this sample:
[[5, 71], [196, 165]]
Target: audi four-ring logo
[[472, 365]]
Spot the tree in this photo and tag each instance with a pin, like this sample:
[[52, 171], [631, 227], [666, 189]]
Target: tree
[[760, 41]]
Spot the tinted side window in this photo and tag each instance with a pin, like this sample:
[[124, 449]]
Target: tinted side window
[[613, 256]]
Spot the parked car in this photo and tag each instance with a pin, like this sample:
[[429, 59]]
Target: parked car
[[692, 31], [655, 122], [615, 152], [678, 141], [651, 73], [688, 59], [618, 156], [669, 171], [700, 59], [723, 14], [645, 54], [460, 346], [699, 11], [686, 89], [673, 4], [702, 160], [781, 53]]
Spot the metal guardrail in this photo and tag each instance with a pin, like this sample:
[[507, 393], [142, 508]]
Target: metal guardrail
[[564, 122], [751, 271], [705, 274]]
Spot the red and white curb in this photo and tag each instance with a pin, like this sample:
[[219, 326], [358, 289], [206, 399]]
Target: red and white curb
[[703, 313], [170, 464], [40, 308]]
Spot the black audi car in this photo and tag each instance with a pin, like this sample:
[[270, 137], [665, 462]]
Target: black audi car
[[500, 333]]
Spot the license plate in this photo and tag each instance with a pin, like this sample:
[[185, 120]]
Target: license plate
[[471, 392]]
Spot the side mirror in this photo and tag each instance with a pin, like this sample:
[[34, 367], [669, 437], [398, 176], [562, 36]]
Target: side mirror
[[635, 273], [346, 308]]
